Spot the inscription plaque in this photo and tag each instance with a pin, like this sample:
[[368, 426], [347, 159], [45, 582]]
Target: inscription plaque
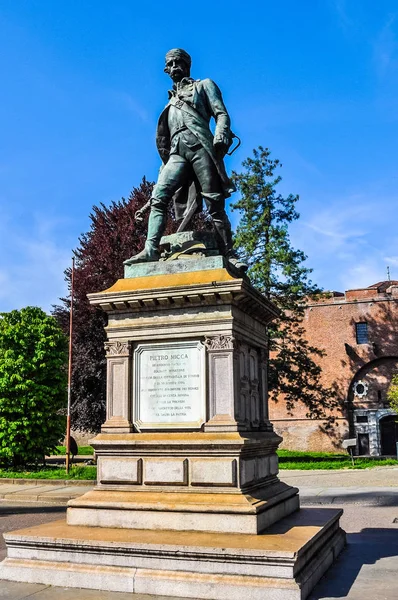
[[169, 385]]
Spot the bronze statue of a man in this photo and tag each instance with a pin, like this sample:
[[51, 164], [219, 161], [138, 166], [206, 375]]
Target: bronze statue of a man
[[193, 167]]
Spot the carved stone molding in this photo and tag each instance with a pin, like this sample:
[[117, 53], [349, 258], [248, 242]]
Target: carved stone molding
[[220, 342], [118, 348], [264, 355]]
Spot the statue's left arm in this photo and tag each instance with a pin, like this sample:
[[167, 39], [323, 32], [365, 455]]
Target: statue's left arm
[[222, 135]]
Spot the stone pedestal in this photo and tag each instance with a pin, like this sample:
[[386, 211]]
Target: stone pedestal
[[220, 482], [186, 356], [187, 463]]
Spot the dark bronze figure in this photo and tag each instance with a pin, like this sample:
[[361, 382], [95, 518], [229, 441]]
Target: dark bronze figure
[[193, 168]]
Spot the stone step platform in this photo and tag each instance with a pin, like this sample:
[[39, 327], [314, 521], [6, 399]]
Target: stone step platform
[[235, 512], [284, 563]]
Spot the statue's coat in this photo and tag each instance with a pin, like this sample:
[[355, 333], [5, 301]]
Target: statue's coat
[[207, 102]]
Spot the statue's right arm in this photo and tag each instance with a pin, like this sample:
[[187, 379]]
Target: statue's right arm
[[222, 135]]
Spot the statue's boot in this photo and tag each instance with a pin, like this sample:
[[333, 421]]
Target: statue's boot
[[148, 254], [223, 231], [156, 227]]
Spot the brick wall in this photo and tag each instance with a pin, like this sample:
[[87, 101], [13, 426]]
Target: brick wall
[[330, 325]]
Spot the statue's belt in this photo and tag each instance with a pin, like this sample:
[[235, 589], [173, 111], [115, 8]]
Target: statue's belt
[[183, 128]]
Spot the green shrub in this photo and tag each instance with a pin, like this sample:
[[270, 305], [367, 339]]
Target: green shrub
[[33, 354], [392, 394]]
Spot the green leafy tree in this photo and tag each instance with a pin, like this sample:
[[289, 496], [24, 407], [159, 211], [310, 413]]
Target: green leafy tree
[[33, 385], [279, 272], [392, 394]]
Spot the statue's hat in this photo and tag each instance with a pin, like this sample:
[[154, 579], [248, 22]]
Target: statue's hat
[[179, 53]]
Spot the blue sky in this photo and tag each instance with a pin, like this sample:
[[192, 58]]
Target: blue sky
[[83, 84]]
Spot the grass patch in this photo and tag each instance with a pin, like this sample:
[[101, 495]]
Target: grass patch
[[304, 454], [288, 459], [308, 461], [83, 450], [50, 472]]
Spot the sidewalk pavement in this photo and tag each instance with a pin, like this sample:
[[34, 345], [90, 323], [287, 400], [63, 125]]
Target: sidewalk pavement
[[366, 487], [377, 486], [57, 491]]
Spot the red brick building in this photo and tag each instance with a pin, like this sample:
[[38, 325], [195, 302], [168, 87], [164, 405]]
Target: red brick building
[[359, 332]]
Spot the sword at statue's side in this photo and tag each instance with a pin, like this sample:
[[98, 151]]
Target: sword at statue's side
[[192, 207], [192, 204]]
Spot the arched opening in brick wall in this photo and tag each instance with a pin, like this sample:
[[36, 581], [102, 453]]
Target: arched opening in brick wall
[[388, 435], [369, 407]]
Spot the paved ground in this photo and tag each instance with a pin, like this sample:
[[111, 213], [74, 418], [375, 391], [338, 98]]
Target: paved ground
[[367, 569], [366, 487], [36, 490], [17, 515], [374, 477]]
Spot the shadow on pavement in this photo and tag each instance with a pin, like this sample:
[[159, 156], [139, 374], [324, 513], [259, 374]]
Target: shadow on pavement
[[30, 509], [373, 498], [364, 548]]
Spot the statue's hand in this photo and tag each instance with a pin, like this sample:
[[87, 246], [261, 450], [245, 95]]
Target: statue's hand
[[221, 144], [139, 214], [139, 217]]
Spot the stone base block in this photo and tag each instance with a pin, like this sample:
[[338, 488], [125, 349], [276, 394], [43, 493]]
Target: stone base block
[[194, 461], [185, 511], [282, 564]]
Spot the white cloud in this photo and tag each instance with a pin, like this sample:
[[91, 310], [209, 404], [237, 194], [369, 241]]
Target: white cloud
[[350, 16], [340, 222], [127, 101], [31, 264], [362, 274], [392, 260], [345, 21], [385, 47], [348, 241], [392, 263]]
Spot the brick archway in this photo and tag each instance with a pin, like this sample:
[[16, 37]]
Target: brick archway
[[366, 413], [365, 369]]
